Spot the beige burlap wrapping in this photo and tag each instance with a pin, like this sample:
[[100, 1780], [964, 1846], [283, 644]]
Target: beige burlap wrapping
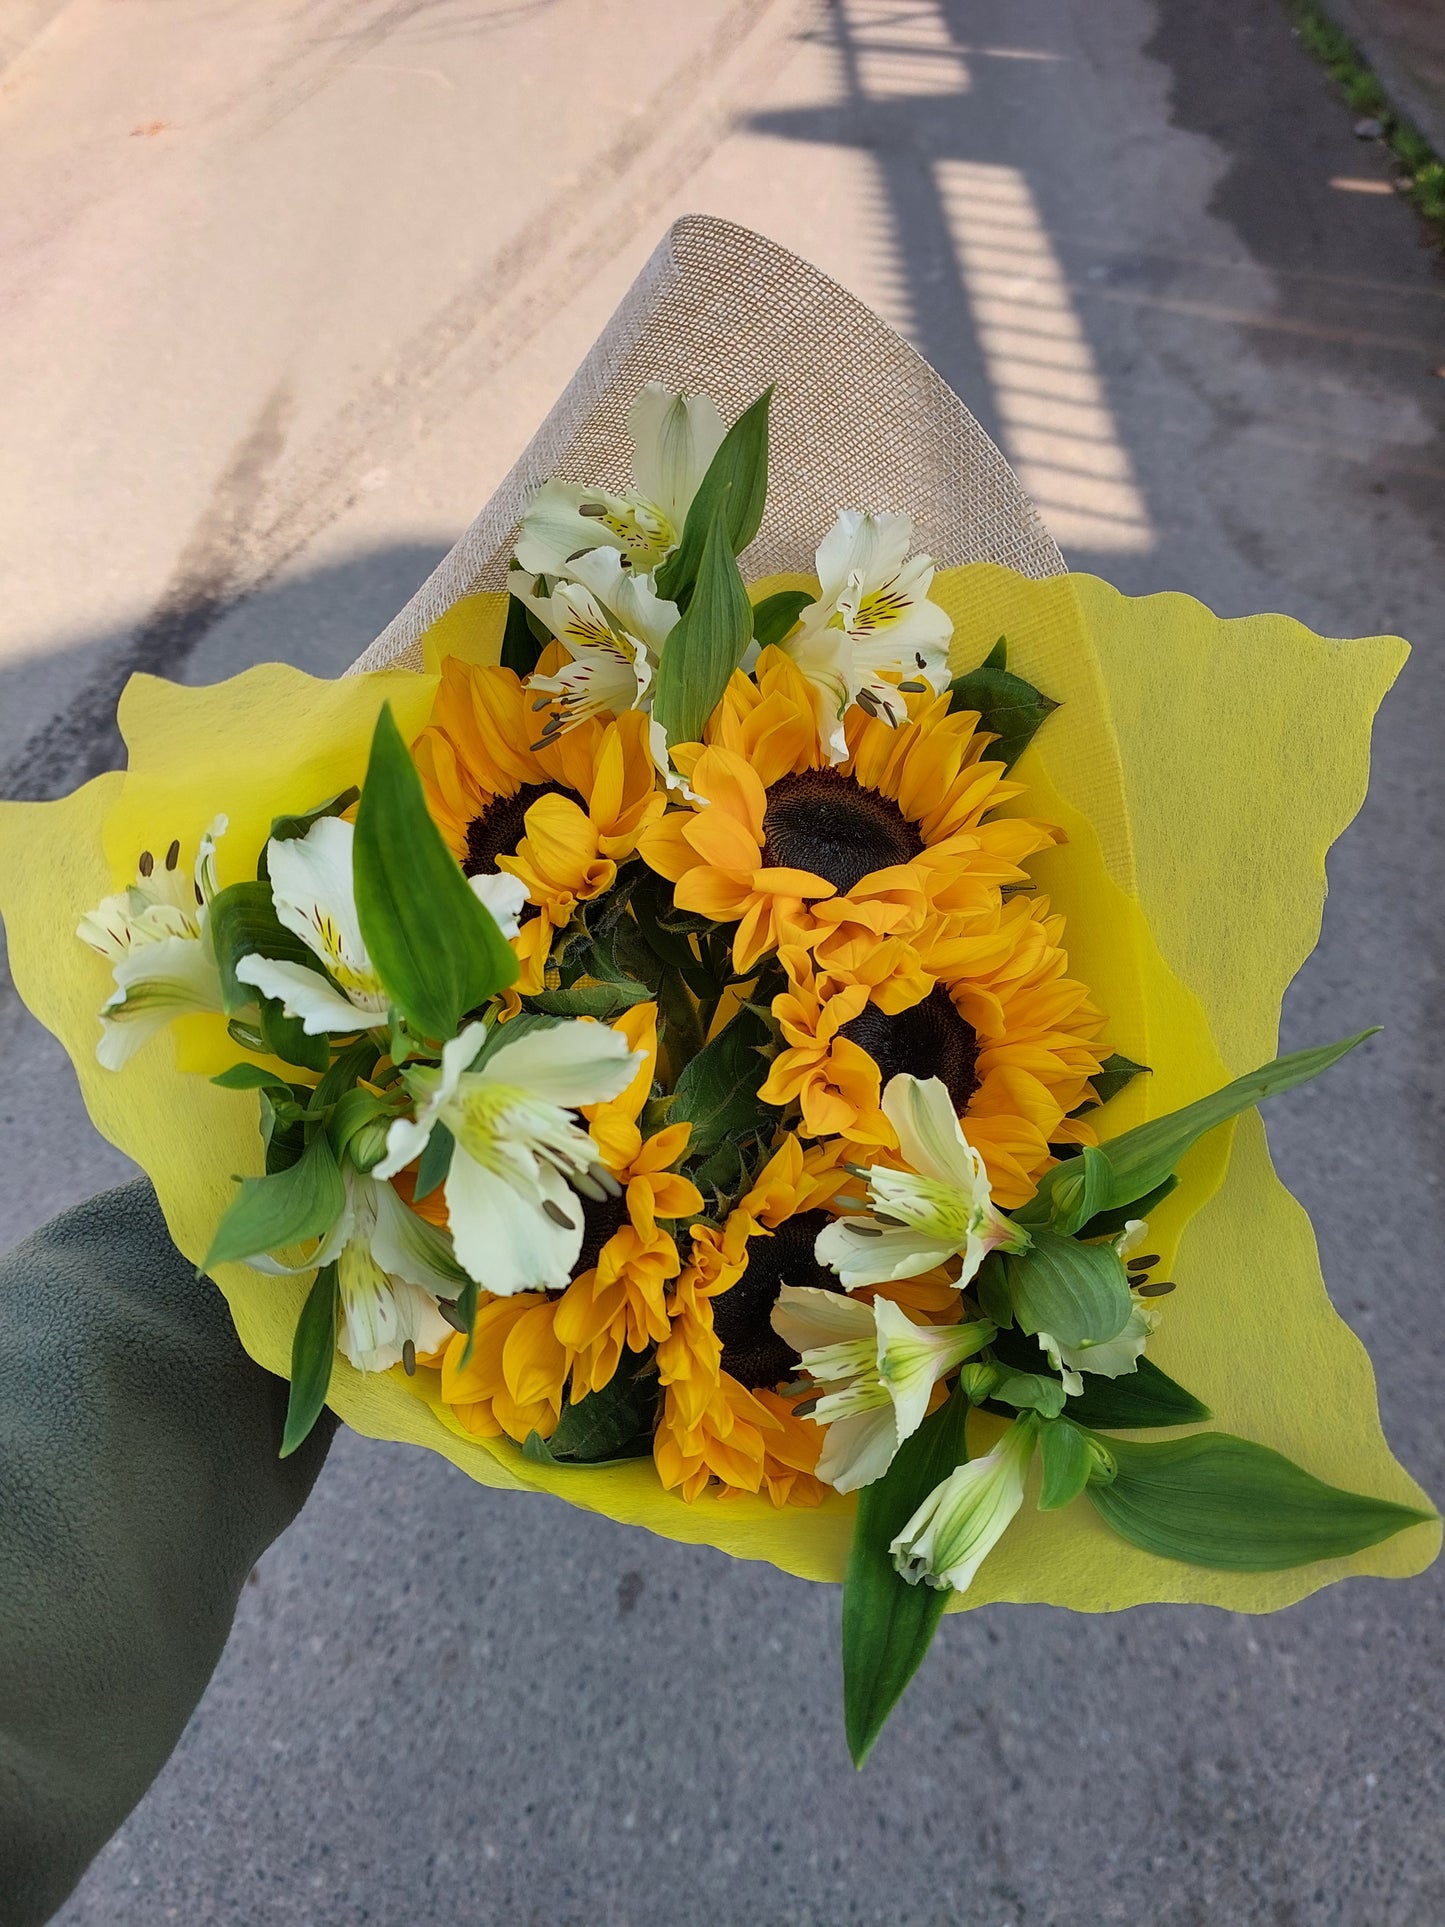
[[859, 420]]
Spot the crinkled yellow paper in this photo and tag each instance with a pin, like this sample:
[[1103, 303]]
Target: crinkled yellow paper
[[1201, 769]]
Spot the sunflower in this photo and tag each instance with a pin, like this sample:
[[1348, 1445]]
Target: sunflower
[[618, 1292], [513, 1382], [559, 813], [1000, 1021], [773, 831]]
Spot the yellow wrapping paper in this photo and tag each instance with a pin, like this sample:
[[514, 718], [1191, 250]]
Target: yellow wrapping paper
[[1201, 769]]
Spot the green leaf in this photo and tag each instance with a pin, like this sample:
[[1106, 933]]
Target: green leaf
[[285, 829], [466, 1318], [1076, 1293], [242, 922], [272, 1212], [776, 614], [734, 490], [1218, 1501], [1139, 1399], [1067, 1459], [1117, 1072], [602, 1000], [1031, 1392], [1083, 1194], [284, 1140], [888, 1624], [717, 1091], [520, 645], [356, 1061], [1008, 707], [353, 1111], [1143, 1158], [708, 642], [252, 1077], [285, 1037], [611, 1424], [434, 1163], [990, 1288], [313, 1353], [435, 947]]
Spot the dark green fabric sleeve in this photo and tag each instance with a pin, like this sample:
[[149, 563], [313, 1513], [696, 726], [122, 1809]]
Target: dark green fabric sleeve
[[139, 1483]]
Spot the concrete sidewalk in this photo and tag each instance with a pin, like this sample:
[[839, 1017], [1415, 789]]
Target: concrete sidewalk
[[295, 280]]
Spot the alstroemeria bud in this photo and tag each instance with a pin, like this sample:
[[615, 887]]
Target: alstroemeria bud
[[963, 1519]]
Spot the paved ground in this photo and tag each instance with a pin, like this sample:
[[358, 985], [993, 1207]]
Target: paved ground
[[295, 280]]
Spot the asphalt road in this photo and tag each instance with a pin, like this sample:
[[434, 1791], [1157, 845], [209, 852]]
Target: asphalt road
[[288, 285]]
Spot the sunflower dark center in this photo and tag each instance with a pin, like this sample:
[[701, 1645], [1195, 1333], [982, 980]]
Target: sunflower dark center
[[600, 1218], [826, 822], [930, 1040], [501, 827], [742, 1316]]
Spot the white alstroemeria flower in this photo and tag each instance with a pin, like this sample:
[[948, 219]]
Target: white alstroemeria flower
[[887, 1365], [1111, 1358], [391, 1268], [938, 1210], [315, 898], [1135, 1231], [610, 671], [872, 626], [153, 934], [516, 1222], [963, 1519], [674, 438], [504, 896]]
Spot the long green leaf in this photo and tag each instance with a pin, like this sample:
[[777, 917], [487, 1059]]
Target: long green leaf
[[1078, 1294], [303, 1201], [888, 1625], [708, 642], [1218, 1501], [1143, 1158], [313, 1353], [735, 486], [1139, 1399], [436, 948]]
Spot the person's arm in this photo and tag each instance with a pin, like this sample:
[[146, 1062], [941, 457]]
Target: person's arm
[[139, 1483]]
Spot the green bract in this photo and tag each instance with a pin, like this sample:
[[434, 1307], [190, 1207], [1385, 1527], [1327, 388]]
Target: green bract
[[708, 642], [732, 493]]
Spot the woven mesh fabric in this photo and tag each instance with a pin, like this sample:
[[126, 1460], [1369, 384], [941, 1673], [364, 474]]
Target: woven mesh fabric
[[859, 420]]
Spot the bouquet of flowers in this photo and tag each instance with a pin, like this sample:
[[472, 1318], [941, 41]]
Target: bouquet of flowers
[[694, 1046]]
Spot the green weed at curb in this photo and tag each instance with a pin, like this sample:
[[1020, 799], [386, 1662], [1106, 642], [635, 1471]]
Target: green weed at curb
[[1362, 89]]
